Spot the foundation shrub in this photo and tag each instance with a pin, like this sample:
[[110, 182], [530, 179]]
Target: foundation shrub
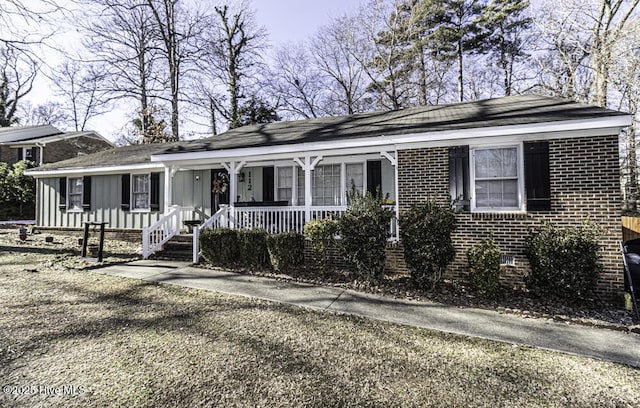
[[363, 234], [484, 267], [220, 246], [565, 262], [286, 251], [253, 248], [321, 233], [425, 231]]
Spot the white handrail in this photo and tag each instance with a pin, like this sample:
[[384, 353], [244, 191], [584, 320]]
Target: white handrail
[[157, 234], [217, 220]]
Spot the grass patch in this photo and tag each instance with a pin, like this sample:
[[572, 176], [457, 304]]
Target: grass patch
[[130, 343]]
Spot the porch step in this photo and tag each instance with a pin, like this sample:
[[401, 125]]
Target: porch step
[[178, 248]]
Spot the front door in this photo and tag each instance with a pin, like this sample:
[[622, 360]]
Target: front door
[[219, 188]]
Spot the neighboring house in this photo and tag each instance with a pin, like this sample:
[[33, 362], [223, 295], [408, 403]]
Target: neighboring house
[[512, 163], [46, 144]]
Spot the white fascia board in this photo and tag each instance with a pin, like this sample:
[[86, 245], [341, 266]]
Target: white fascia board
[[371, 144], [94, 170]]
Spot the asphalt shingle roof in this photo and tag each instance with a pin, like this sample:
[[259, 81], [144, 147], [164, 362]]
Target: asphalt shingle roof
[[512, 110]]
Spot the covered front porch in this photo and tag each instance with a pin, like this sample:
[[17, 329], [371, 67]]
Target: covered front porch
[[277, 195]]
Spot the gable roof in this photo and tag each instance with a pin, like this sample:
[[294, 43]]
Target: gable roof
[[512, 110], [29, 135], [25, 133]]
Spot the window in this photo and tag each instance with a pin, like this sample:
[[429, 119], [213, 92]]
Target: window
[[74, 199], [496, 178], [300, 185], [29, 153], [285, 183], [140, 192], [355, 176], [326, 185]]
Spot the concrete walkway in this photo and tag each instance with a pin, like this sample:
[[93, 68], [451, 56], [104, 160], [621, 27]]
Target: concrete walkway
[[609, 345]]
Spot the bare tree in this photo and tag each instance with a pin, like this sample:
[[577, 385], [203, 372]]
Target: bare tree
[[48, 113], [297, 82], [334, 48], [179, 30], [123, 41], [80, 87], [609, 27], [233, 48], [17, 73]]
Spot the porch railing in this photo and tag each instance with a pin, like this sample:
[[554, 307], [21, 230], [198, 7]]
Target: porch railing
[[218, 220], [157, 234], [271, 219]]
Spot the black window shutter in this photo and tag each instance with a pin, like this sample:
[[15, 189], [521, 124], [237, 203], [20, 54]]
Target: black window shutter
[[459, 177], [62, 188], [125, 198], [268, 183], [86, 193], [155, 191], [374, 177], [537, 176], [20, 151]]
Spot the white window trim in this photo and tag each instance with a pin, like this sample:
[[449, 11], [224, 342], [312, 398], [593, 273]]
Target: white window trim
[[131, 200], [277, 183], [472, 175], [74, 210], [24, 153]]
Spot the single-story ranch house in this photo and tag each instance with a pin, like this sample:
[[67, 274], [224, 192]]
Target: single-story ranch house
[[512, 163]]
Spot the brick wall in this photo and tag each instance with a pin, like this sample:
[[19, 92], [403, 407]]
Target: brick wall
[[584, 184]]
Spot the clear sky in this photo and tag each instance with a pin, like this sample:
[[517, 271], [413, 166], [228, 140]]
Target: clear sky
[[295, 20]]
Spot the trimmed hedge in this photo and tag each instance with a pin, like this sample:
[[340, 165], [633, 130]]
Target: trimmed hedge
[[220, 246], [253, 248], [565, 263], [286, 251], [484, 267]]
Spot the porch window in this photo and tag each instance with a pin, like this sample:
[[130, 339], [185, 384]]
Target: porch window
[[355, 176], [140, 189], [285, 183], [300, 185], [74, 198], [326, 185], [496, 178]]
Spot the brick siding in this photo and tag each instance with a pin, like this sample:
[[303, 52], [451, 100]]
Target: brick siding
[[584, 185]]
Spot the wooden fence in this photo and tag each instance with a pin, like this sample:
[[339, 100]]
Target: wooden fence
[[630, 228]]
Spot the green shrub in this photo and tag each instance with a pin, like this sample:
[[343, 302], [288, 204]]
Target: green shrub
[[286, 251], [253, 248], [220, 246], [425, 231], [363, 231], [484, 267], [565, 263], [321, 233]]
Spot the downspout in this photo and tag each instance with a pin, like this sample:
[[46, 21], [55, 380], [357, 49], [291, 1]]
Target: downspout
[[41, 146]]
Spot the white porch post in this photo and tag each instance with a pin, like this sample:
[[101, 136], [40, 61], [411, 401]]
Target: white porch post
[[169, 172], [233, 169], [394, 162], [308, 165]]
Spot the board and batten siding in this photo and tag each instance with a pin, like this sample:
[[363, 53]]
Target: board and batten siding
[[106, 191]]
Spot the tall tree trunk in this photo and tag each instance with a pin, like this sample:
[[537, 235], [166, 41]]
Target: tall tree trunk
[[460, 73]]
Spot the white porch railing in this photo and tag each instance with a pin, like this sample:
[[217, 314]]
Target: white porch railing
[[218, 220], [157, 234], [271, 219]]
